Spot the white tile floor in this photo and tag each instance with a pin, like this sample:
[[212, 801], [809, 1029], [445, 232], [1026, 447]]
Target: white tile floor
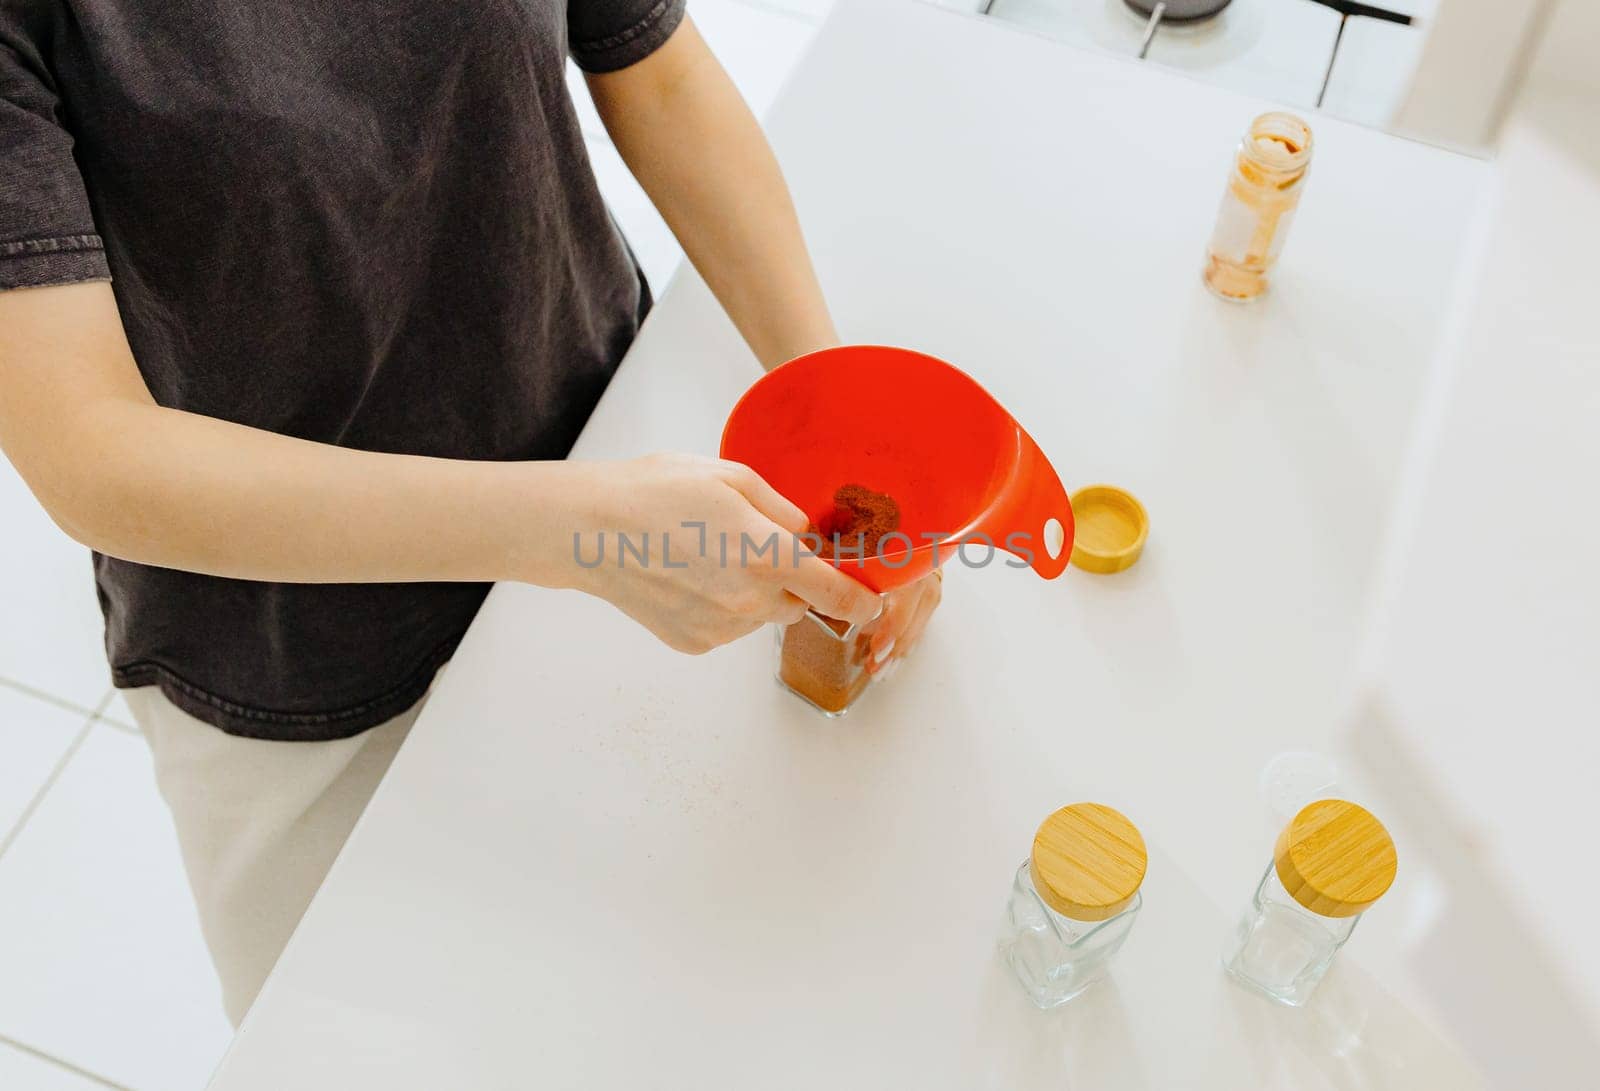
[[104, 979], [95, 917], [28, 1072]]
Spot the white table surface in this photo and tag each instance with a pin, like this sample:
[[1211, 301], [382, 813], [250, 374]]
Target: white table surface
[[599, 864], [1490, 637]]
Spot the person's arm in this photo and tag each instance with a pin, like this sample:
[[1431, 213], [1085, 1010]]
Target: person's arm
[[688, 137], [163, 487]]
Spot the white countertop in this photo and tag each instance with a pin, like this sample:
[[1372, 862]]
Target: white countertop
[[599, 864]]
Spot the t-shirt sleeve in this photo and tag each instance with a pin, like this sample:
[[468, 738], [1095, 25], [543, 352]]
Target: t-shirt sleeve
[[47, 232], [605, 35]]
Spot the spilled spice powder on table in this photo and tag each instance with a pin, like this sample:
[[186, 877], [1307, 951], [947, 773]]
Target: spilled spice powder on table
[[816, 662]]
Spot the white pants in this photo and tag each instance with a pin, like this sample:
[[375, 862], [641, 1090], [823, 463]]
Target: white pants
[[259, 824]]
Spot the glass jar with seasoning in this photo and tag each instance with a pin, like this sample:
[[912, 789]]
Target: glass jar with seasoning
[[1269, 171], [1073, 902], [1331, 863], [828, 663]]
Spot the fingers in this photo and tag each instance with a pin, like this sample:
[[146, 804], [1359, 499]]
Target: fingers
[[930, 601], [701, 644], [899, 608], [735, 625], [787, 611], [832, 593], [765, 499], [905, 617], [790, 610], [745, 630]]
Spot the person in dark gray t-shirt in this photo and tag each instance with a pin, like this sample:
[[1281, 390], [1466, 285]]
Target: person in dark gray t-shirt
[[301, 308]]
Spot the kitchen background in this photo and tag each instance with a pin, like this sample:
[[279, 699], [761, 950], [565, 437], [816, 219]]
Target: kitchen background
[[104, 981]]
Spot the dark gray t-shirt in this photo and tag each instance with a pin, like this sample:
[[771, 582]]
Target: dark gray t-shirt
[[370, 223]]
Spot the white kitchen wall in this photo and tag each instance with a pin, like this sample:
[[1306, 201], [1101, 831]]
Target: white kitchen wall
[[1470, 69]]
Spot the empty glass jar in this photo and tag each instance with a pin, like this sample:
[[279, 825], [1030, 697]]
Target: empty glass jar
[[1331, 862], [1263, 191], [1073, 902]]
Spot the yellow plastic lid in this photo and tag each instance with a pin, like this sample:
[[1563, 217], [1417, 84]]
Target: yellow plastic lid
[[1109, 529], [1088, 861], [1334, 858]]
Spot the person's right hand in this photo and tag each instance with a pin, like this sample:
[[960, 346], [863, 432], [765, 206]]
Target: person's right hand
[[722, 583]]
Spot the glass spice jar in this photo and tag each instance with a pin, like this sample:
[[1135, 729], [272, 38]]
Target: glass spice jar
[[1073, 902], [825, 661], [1269, 171], [1331, 862]]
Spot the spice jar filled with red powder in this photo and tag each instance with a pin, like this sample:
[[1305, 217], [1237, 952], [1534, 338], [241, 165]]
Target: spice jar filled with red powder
[[825, 661]]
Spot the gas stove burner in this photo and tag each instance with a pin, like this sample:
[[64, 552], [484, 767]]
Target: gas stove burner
[[1179, 11]]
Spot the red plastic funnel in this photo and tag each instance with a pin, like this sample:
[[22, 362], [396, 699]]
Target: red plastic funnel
[[914, 427]]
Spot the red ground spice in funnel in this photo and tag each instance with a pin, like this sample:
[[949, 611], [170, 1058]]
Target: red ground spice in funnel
[[859, 522], [817, 661]]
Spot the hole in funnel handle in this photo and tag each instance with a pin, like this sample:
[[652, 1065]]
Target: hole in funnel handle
[[1055, 536]]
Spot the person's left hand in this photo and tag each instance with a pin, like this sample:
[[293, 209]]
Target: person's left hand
[[906, 611]]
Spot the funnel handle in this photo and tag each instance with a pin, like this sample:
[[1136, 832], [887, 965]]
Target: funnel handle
[[1037, 507]]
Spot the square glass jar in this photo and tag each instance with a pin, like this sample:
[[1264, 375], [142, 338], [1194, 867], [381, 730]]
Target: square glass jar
[[1331, 863], [826, 662], [1054, 956], [1281, 948]]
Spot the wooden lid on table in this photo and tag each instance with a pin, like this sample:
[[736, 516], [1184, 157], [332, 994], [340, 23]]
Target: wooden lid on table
[[1334, 858], [1109, 529], [1088, 861]]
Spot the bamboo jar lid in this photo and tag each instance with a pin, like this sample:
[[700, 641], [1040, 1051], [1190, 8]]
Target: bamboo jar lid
[[1088, 861], [1334, 858], [1109, 529]]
